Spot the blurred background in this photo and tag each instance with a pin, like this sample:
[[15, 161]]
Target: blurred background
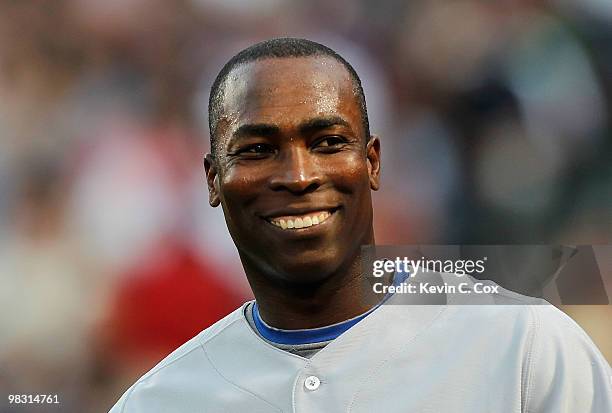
[[495, 127]]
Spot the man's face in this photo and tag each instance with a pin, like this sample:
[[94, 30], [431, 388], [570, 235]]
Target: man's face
[[293, 173]]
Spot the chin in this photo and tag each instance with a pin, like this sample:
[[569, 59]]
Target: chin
[[301, 271]]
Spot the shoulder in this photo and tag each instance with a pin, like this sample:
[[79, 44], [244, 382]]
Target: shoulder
[[182, 354], [559, 367], [549, 329], [185, 367], [558, 339], [564, 367]]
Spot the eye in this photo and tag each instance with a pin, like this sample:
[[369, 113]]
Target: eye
[[256, 149], [332, 141]]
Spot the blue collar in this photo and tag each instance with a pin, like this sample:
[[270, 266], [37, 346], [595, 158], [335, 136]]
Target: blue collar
[[313, 335], [304, 336]]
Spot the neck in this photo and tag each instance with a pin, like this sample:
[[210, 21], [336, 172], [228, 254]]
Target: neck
[[342, 295]]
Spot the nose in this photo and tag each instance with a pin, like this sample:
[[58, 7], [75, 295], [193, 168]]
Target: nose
[[297, 172]]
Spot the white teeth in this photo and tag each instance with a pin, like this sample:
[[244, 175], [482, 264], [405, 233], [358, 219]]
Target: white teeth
[[302, 222]]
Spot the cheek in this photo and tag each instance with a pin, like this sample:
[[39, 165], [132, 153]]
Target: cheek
[[353, 180], [239, 188], [351, 175]]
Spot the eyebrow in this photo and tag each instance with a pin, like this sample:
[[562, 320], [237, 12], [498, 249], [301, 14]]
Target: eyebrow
[[256, 129], [318, 123], [308, 126]]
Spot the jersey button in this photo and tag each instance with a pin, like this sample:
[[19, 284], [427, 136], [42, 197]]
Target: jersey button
[[312, 383]]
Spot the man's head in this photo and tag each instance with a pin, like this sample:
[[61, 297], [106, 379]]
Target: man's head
[[291, 148]]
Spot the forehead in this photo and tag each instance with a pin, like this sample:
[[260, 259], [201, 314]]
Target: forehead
[[286, 90]]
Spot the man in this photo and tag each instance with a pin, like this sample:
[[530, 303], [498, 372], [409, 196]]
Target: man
[[293, 165]]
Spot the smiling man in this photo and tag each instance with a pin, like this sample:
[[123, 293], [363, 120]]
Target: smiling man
[[293, 165]]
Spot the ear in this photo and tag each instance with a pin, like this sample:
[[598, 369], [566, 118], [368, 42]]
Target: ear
[[212, 180], [373, 159]]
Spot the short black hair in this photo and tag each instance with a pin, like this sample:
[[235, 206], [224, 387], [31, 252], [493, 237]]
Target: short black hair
[[278, 48]]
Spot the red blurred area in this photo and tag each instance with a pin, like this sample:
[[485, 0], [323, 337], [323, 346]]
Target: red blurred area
[[166, 299]]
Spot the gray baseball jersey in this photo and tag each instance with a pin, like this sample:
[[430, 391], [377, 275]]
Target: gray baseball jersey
[[400, 358]]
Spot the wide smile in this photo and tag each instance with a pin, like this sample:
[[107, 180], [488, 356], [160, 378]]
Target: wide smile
[[301, 221]]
